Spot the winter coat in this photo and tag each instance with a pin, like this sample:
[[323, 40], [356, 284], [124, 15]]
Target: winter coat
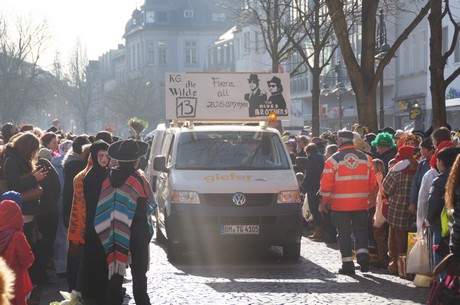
[[313, 171], [72, 165], [436, 200], [18, 174], [15, 249], [348, 178]]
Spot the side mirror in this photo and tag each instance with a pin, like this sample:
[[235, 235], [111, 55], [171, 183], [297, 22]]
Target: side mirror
[[159, 164]]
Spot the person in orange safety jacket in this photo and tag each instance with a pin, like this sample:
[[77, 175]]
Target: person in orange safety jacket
[[348, 178]]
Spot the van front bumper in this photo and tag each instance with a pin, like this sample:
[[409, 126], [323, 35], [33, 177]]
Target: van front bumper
[[279, 224]]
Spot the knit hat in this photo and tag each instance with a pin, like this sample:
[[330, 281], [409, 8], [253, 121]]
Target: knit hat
[[384, 139], [13, 196], [406, 152]]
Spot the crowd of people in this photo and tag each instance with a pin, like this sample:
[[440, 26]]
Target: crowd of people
[[368, 190], [58, 191]]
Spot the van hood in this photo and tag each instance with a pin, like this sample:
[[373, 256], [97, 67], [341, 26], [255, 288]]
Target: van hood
[[219, 181]]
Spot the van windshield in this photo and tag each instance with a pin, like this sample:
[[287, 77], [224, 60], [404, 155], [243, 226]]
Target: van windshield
[[228, 150]]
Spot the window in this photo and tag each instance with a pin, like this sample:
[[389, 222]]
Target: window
[[150, 52], [457, 50], [188, 13], [190, 52], [247, 43], [162, 53], [445, 40], [224, 150], [424, 51], [162, 16], [218, 16]]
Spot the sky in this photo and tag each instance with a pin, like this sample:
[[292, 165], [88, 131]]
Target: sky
[[97, 24]]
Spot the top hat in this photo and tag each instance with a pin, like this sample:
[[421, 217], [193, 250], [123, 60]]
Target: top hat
[[128, 150], [253, 78]]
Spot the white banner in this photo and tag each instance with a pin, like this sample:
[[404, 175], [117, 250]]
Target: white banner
[[227, 96]]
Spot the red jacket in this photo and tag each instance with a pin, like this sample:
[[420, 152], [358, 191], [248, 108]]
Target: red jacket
[[15, 249], [348, 178]]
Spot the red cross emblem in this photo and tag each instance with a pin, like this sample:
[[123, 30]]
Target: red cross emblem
[[351, 161]]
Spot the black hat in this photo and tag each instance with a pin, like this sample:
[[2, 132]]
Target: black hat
[[253, 78], [345, 134], [128, 150], [275, 80]]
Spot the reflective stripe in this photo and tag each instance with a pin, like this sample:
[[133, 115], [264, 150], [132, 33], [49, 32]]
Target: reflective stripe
[[362, 251], [325, 194], [347, 259], [348, 178], [333, 161], [328, 171], [351, 195]]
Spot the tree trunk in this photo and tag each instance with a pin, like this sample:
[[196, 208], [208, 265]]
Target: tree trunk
[[437, 84], [315, 96]]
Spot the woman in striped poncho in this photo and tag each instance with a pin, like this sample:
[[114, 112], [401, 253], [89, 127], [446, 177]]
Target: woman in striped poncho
[[123, 221]]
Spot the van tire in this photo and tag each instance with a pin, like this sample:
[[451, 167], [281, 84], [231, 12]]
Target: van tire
[[161, 239], [174, 252], [292, 251]]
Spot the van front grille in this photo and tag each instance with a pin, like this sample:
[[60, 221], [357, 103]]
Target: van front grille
[[227, 199]]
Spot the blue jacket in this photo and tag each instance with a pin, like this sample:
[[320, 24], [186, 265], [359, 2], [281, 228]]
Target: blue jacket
[[436, 200], [422, 168]]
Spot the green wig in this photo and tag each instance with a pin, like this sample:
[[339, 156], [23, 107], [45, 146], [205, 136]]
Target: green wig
[[384, 139]]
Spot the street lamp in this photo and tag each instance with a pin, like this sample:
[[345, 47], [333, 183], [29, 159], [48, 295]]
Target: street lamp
[[339, 90], [381, 50]]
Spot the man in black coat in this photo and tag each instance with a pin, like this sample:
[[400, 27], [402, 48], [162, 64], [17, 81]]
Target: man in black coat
[[256, 97]]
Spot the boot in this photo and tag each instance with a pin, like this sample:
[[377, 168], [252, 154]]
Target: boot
[[318, 235], [348, 268]]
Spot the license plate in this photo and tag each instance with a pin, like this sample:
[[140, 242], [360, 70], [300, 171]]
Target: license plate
[[239, 229]]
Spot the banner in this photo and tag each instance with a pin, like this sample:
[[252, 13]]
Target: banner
[[227, 96]]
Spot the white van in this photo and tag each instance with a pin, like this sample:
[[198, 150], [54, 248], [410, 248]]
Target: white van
[[225, 184]]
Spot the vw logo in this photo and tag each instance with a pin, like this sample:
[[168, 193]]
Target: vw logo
[[239, 199]]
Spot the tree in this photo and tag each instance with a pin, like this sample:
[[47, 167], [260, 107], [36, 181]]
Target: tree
[[438, 60], [363, 75], [20, 52], [311, 34], [78, 86], [134, 98], [270, 17]]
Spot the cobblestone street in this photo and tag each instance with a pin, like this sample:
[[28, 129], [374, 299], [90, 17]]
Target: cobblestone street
[[261, 276]]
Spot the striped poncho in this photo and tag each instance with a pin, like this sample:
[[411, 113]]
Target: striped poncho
[[114, 215]]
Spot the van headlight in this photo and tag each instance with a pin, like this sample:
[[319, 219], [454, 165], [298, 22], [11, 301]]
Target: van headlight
[[288, 197], [185, 197]]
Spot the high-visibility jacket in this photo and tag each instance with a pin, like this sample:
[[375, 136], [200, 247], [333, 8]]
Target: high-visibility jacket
[[348, 178]]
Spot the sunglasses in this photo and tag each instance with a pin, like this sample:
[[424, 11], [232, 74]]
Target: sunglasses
[[271, 86]]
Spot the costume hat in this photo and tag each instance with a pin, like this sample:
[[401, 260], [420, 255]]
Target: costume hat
[[362, 145], [128, 150], [384, 139], [405, 152]]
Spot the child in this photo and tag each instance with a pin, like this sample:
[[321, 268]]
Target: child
[[15, 249], [378, 223]]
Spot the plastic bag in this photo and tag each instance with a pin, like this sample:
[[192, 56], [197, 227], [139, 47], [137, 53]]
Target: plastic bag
[[72, 298], [307, 215], [419, 257]]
